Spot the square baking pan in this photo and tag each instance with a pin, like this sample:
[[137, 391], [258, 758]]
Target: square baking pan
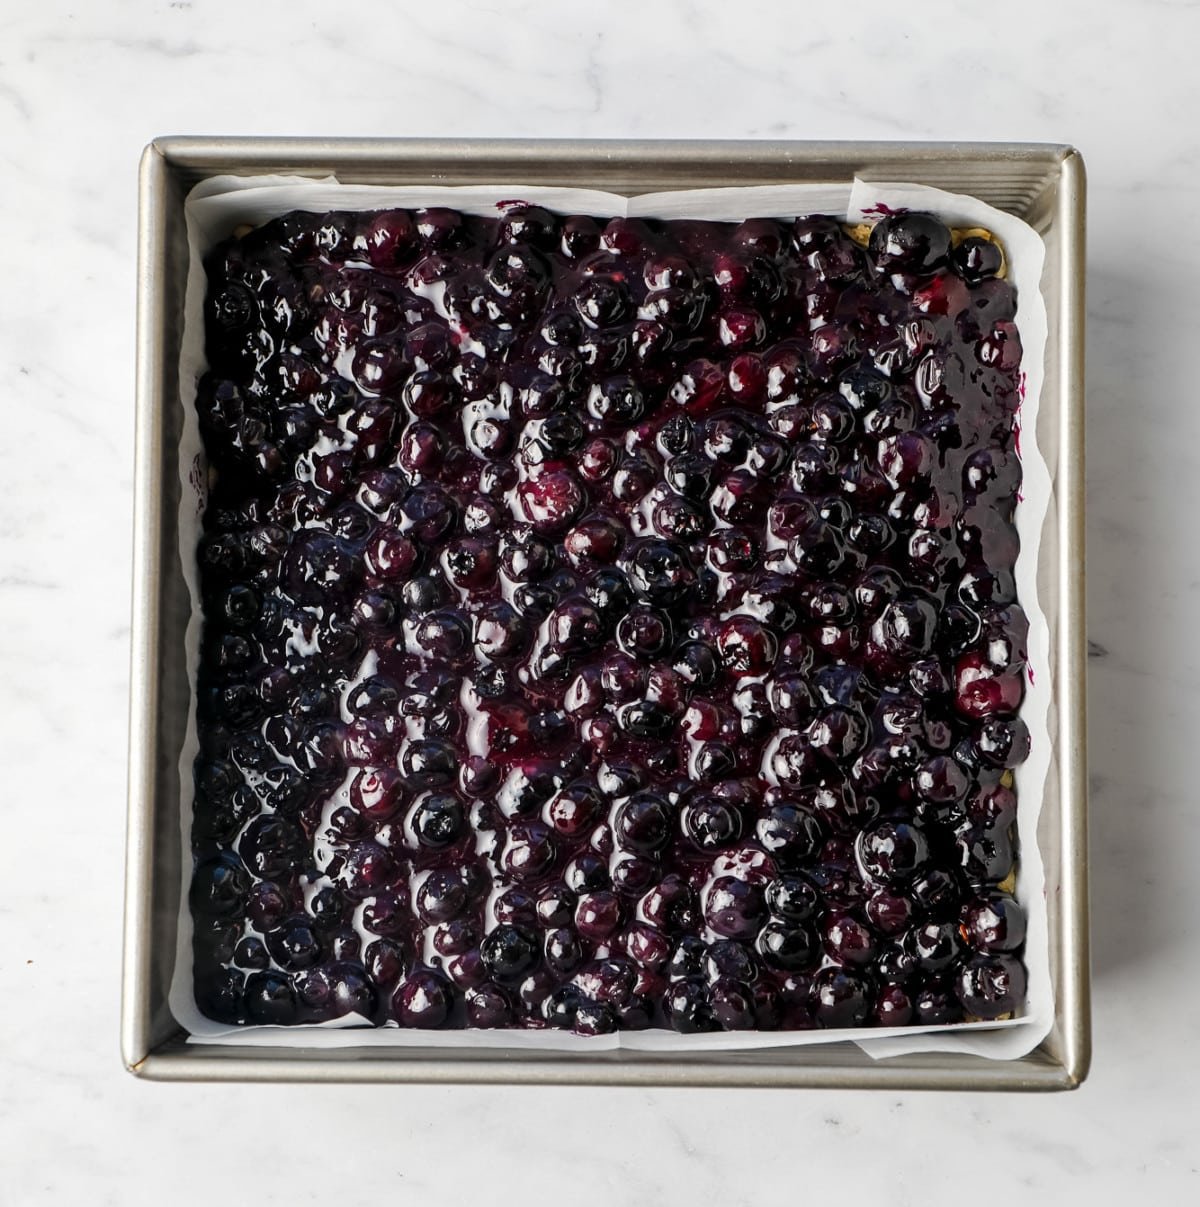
[[1044, 184]]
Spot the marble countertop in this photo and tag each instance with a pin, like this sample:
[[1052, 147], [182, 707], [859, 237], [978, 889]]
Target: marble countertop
[[83, 87]]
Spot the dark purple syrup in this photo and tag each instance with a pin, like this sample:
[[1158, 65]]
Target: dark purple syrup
[[608, 625]]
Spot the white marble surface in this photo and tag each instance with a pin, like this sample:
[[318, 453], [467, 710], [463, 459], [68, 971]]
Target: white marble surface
[[83, 87]]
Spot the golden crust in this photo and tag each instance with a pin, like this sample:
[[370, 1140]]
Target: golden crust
[[860, 233]]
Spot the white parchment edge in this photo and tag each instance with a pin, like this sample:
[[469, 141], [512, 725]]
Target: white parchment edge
[[217, 205]]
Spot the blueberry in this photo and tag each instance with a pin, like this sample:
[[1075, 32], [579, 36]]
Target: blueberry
[[618, 401], [906, 627], [936, 1003], [425, 593], [891, 852], [687, 1007], [644, 720], [645, 632], [734, 907], [586, 873], [1003, 742], [508, 953], [488, 1007], [601, 301], [574, 627], [909, 243], [593, 1018], [597, 915], [792, 897], [848, 940], [994, 923], [328, 908], [440, 897], [989, 986], [658, 571], [841, 998], [438, 820], [272, 846], [422, 1000], [560, 1008], [444, 635], [563, 951], [644, 823], [789, 833], [385, 962], [697, 663], [295, 944], [500, 632], [270, 999], [935, 945], [938, 892], [787, 946], [429, 763], [976, 259]]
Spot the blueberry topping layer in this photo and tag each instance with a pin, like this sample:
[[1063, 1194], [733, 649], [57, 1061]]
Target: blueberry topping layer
[[608, 625]]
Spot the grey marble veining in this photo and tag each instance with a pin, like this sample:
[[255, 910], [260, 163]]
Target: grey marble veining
[[83, 87]]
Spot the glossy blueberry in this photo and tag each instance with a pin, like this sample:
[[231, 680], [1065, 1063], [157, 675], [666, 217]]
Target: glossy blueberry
[[989, 986], [508, 953], [438, 820]]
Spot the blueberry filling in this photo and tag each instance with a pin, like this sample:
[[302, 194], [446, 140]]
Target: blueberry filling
[[608, 625]]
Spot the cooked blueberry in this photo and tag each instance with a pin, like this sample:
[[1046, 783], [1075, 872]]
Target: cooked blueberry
[[841, 998], [441, 896], [438, 820], [429, 763], [697, 663], [891, 852], [792, 897], [687, 1007], [563, 950], [508, 953], [976, 259], [644, 822], [295, 944], [910, 243], [560, 1008], [422, 1000], [789, 833], [270, 999], [787, 946], [993, 923], [734, 907], [991, 985], [425, 593], [935, 945]]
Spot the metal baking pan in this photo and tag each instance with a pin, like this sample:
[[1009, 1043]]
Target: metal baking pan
[[1044, 184]]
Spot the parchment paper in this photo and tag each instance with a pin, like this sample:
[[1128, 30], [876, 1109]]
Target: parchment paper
[[218, 205]]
